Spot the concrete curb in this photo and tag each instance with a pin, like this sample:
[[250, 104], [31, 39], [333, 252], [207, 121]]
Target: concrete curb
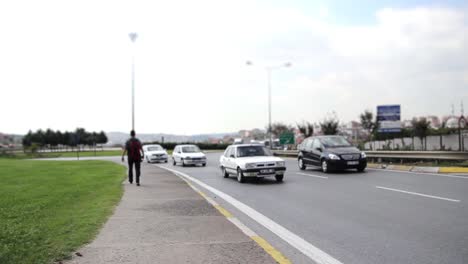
[[273, 252], [418, 169], [453, 170]]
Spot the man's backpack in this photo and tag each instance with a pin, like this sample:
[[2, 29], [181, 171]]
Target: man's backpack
[[134, 149]]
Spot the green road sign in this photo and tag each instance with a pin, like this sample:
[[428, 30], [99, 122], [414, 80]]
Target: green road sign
[[287, 138]]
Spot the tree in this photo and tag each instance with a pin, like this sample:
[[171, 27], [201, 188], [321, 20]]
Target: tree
[[50, 138], [368, 122], [59, 137], [27, 139], [306, 128], [38, 138], [102, 138], [81, 136], [66, 139], [279, 128], [420, 129], [329, 126]]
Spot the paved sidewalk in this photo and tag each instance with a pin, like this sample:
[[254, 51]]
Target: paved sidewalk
[[165, 221]]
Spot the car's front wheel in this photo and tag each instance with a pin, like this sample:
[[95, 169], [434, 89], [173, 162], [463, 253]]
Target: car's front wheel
[[183, 163], [279, 178], [240, 176], [174, 162], [325, 167], [300, 163], [224, 172], [361, 168], [204, 164]]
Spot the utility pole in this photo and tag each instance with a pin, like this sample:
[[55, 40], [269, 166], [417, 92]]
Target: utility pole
[[133, 36]]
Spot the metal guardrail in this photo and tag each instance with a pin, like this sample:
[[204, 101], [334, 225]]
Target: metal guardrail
[[421, 155]]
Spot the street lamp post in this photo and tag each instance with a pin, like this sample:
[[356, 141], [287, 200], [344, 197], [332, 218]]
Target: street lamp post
[[269, 69], [133, 36]]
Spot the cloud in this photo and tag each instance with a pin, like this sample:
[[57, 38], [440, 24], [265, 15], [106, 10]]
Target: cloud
[[416, 57], [69, 65]]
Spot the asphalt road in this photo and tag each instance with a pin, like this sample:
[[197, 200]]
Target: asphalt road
[[363, 218]]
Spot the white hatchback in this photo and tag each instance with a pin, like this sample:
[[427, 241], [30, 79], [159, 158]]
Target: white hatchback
[[251, 160], [155, 153], [188, 155]]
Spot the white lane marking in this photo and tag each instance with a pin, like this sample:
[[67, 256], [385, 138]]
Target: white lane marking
[[421, 173], [419, 194], [242, 227], [316, 254], [311, 175]]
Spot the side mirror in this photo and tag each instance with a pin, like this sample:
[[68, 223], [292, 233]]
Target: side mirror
[[319, 149], [232, 156]]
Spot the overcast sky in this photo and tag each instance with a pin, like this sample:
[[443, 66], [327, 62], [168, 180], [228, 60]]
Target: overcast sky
[[67, 64]]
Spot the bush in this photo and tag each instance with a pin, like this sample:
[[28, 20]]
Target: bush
[[205, 146]]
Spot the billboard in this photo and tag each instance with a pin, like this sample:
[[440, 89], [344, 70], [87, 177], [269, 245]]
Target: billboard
[[388, 117]]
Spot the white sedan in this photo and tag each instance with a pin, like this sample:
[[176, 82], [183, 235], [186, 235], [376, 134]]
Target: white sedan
[[188, 155], [251, 160], [155, 153]]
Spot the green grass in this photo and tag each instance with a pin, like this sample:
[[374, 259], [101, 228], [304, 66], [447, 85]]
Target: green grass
[[99, 153], [48, 209], [91, 153]]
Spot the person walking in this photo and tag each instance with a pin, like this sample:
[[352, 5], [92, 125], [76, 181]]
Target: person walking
[[135, 155]]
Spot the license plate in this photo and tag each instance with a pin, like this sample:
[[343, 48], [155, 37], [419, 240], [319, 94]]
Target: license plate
[[267, 171], [353, 162]]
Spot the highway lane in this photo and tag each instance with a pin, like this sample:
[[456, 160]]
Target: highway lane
[[371, 217]]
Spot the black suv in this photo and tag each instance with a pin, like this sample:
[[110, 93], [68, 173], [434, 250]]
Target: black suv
[[330, 153]]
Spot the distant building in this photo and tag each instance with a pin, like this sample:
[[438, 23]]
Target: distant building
[[407, 124], [452, 122], [434, 121]]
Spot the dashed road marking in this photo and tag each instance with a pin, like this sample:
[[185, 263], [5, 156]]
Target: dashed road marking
[[311, 175], [423, 173]]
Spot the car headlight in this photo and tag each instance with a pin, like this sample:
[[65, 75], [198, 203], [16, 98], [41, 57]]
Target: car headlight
[[280, 163], [363, 155], [333, 157], [250, 165]]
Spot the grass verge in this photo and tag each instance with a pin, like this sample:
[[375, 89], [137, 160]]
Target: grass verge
[[99, 153], [50, 208]]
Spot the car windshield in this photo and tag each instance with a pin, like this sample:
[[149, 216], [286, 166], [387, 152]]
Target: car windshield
[[190, 149], [155, 148], [335, 142], [252, 151]]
